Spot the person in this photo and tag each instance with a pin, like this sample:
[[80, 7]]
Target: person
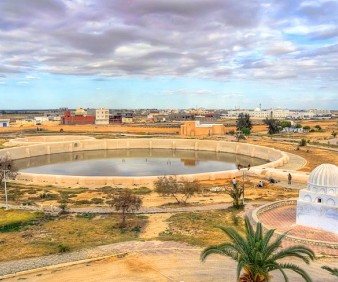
[[289, 178], [234, 182], [260, 184], [271, 180]]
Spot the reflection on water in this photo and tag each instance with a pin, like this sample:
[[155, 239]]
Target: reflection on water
[[133, 162]]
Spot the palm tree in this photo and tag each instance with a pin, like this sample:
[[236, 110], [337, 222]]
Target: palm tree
[[257, 256]]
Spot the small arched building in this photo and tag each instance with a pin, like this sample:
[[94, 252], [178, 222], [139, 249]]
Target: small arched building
[[317, 205], [195, 128]]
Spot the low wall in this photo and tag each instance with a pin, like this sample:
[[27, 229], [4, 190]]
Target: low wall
[[43, 139], [277, 158]]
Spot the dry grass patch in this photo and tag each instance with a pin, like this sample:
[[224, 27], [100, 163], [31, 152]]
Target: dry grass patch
[[201, 228], [67, 233]]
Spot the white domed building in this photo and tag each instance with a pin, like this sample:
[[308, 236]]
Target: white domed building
[[317, 205]]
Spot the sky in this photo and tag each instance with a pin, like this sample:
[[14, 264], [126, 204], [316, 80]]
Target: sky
[[169, 54]]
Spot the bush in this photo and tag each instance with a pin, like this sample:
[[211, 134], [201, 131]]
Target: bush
[[63, 248], [142, 190], [97, 201], [86, 215], [302, 142]]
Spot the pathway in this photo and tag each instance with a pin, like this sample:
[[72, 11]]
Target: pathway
[[144, 261]]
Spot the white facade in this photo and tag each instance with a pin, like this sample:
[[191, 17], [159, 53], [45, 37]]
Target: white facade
[[40, 120], [317, 205], [102, 116], [4, 122], [262, 114]]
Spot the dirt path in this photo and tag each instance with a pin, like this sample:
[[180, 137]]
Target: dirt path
[[156, 224]]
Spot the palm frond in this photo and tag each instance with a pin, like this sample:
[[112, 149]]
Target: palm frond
[[302, 252], [296, 269], [226, 249]]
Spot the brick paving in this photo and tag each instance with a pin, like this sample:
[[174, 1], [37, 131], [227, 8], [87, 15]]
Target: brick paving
[[284, 219]]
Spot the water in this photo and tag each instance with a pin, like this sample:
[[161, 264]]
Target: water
[[134, 162]]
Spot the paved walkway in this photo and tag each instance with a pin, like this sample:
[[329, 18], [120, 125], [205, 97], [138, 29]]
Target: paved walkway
[[295, 162], [163, 261]]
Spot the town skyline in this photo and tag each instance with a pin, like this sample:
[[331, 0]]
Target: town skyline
[[169, 54]]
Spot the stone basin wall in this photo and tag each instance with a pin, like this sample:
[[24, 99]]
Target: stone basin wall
[[43, 139], [275, 157]]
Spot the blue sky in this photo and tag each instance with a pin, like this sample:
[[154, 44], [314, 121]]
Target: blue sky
[[168, 54]]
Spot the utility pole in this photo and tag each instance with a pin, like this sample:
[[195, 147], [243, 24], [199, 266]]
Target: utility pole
[[242, 168]]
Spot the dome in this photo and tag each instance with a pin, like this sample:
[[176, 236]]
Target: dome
[[325, 175], [257, 110]]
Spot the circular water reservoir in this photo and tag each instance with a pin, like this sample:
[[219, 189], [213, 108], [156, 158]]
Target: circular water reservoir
[[134, 162]]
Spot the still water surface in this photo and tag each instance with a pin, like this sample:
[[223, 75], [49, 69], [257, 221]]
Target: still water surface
[[134, 162]]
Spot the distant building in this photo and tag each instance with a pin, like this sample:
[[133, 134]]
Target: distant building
[[4, 122], [41, 120], [261, 114], [102, 116], [25, 122], [115, 118], [194, 128], [127, 118], [80, 117]]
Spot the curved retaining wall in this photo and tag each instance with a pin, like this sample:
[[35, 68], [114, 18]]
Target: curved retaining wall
[[277, 158], [43, 139], [267, 207]]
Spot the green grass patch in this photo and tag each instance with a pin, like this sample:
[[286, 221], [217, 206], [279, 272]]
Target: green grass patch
[[142, 190], [14, 220]]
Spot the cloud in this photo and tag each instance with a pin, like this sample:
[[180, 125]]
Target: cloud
[[215, 39]]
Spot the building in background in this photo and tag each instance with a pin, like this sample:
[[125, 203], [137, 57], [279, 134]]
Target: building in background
[[102, 116], [80, 117], [127, 118], [194, 128], [4, 122]]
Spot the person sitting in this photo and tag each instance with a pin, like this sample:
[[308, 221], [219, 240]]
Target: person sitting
[[260, 184], [272, 180]]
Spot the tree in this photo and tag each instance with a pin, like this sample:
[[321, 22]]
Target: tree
[[318, 127], [7, 167], [333, 271], [257, 256], [126, 202], [285, 123], [246, 131], [306, 127], [239, 136], [171, 186], [235, 194], [273, 125], [243, 121], [334, 134], [302, 142]]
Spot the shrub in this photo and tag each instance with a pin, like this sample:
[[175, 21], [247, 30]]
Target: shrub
[[63, 248], [302, 142]]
